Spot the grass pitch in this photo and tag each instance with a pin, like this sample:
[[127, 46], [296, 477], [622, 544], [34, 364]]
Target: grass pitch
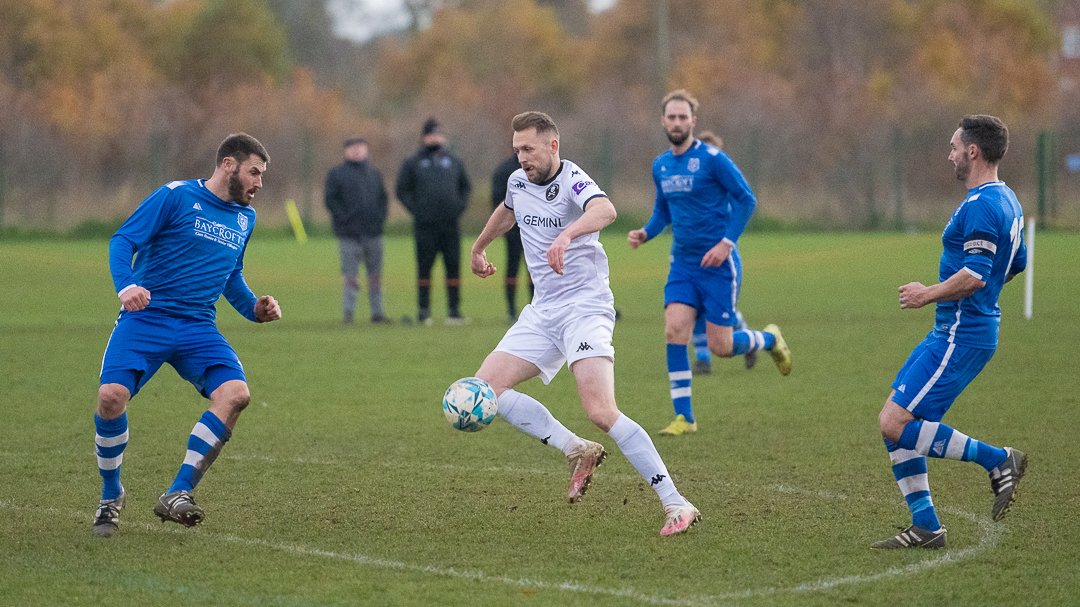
[[344, 485]]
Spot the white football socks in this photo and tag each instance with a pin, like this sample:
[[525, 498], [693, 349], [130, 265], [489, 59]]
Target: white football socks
[[531, 417], [636, 445]]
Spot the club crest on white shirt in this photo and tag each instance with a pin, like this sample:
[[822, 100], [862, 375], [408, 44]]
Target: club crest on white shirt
[[552, 192]]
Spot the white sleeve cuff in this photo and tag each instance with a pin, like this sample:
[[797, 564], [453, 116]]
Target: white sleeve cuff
[[729, 241], [972, 272], [121, 292]]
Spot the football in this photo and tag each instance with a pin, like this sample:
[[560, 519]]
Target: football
[[469, 404]]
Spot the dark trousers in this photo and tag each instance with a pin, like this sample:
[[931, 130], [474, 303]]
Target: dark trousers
[[514, 253], [431, 240]]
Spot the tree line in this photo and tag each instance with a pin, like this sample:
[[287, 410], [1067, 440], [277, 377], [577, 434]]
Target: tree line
[[839, 112]]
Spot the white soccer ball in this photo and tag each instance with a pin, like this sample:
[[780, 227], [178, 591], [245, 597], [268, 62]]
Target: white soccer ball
[[469, 404]]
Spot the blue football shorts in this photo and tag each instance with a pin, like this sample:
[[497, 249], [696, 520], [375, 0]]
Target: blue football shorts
[[142, 341], [713, 292], [935, 374]]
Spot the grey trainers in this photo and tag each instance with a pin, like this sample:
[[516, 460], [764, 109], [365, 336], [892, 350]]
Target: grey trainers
[[583, 462], [178, 507], [1005, 480], [107, 517], [913, 537]]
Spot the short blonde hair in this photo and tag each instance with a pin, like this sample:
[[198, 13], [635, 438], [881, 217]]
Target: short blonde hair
[[534, 120], [679, 95]]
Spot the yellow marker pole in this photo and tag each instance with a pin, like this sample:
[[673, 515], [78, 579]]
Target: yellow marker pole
[[294, 219]]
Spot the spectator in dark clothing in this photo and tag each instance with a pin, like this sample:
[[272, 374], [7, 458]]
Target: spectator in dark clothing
[[433, 186], [514, 250], [357, 201]]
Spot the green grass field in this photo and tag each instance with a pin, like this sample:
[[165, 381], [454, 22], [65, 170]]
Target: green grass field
[[344, 485]]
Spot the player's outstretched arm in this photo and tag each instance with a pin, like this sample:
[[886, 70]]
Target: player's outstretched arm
[[599, 213], [500, 222], [267, 309], [958, 286]]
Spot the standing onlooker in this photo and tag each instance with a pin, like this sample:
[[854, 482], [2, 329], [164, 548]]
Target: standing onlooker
[[499, 180], [357, 201], [433, 186], [561, 211], [982, 249], [187, 240], [706, 200]]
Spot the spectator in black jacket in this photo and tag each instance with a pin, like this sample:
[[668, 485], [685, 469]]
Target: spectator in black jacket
[[514, 251], [433, 186], [356, 198]]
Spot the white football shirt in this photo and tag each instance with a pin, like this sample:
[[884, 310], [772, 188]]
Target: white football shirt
[[543, 211]]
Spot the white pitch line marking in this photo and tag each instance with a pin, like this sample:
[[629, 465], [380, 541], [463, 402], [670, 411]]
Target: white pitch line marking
[[991, 535]]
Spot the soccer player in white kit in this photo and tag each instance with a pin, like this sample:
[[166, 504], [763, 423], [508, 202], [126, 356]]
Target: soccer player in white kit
[[560, 212]]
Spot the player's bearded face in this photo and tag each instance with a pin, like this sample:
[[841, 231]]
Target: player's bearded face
[[963, 168], [537, 154], [677, 137], [245, 180], [959, 156], [678, 121]]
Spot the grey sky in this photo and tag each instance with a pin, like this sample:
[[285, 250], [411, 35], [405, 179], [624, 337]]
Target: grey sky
[[361, 19]]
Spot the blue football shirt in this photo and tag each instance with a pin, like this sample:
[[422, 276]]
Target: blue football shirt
[[985, 237], [703, 196], [188, 247]]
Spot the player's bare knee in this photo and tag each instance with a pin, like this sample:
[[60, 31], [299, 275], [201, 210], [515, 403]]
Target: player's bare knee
[[234, 396], [112, 400], [721, 348], [891, 426], [722, 352], [676, 335], [604, 418]]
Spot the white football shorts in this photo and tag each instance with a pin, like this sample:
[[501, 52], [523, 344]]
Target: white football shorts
[[551, 336]]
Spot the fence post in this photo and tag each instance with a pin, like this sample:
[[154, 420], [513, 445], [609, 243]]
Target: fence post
[[307, 170], [1046, 171], [898, 157]]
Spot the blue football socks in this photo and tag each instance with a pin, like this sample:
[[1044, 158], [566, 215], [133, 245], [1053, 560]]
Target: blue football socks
[[678, 364]]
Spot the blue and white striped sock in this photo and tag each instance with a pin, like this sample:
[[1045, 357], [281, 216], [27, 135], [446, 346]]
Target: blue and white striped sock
[[678, 366], [751, 341], [111, 438], [909, 470], [935, 439], [207, 438], [701, 341]]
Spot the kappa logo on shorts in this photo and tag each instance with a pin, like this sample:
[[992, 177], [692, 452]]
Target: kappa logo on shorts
[[584, 346]]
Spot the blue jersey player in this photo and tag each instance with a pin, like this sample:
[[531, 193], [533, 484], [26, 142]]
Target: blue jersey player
[[982, 249], [704, 197], [188, 240]]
